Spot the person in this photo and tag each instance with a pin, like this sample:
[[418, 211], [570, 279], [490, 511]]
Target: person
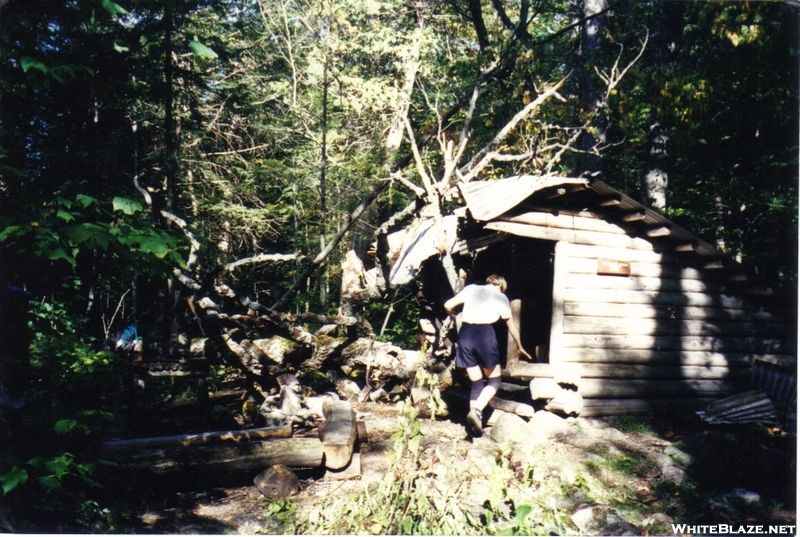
[[477, 350]]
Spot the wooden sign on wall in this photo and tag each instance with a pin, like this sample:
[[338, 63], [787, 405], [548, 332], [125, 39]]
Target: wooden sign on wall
[[614, 268]]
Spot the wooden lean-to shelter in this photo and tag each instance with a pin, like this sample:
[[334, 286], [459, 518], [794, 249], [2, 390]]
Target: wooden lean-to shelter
[[647, 314]]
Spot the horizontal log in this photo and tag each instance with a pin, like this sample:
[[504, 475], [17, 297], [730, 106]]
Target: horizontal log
[[203, 439], [687, 343], [513, 407], [575, 236], [620, 254], [565, 222], [622, 407], [666, 311], [677, 372], [588, 265], [527, 371], [615, 388], [656, 298], [258, 454], [566, 402], [641, 283], [668, 327], [666, 357]]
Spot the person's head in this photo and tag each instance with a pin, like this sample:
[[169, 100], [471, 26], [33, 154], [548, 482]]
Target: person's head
[[499, 281]]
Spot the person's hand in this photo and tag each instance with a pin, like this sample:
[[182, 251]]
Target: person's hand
[[523, 352]]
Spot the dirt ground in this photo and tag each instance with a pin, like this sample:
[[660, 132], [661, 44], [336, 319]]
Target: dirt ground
[[233, 505]]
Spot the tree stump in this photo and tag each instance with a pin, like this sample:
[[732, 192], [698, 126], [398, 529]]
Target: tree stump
[[277, 482]]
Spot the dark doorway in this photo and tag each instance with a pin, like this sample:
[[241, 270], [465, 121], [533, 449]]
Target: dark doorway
[[527, 265], [532, 281]]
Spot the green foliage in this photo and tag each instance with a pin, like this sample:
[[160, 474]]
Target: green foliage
[[632, 424]]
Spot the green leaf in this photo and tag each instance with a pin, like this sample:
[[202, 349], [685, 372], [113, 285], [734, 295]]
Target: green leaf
[[113, 7], [27, 63], [201, 50], [85, 200], [11, 231], [65, 215], [154, 245], [119, 46], [63, 427], [12, 478], [127, 206], [58, 466]]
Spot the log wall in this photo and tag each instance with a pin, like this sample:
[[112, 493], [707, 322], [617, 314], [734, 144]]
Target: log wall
[[662, 335]]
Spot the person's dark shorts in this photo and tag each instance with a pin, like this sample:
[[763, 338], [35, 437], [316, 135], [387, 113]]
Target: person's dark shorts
[[477, 345]]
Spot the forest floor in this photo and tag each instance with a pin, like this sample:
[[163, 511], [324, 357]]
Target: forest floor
[[612, 461]]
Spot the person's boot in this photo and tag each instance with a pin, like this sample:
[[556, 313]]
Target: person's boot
[[475, 422]]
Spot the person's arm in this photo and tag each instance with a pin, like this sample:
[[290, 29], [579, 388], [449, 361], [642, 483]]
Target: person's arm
[[451, 305], [512, 331]]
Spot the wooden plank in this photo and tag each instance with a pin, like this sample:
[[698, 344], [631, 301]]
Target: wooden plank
[[203, 439], [576, 236], [641, 283], [257, 454], [686, 343], [671, 327], [560, 256], [644, 389], [339, 436], [666, 311], [612, 296], [665, 357]]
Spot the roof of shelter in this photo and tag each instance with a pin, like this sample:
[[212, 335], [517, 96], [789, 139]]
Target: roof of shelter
[[489, 200]]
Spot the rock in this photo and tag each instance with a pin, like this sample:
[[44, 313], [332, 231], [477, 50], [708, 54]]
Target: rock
[[272, 416], [481, 461], [510, 429], [314, 404], [673, 474], [745, 495], [547, 423], [275, 348], [602, 520], [290, 401], [346, 388], [682, 458], [657, 524], [277, 482]]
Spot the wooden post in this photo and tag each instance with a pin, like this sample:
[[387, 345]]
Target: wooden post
[[557, 320], [516, 317]]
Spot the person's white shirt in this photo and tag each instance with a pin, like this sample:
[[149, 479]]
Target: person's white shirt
[[483, 304]]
